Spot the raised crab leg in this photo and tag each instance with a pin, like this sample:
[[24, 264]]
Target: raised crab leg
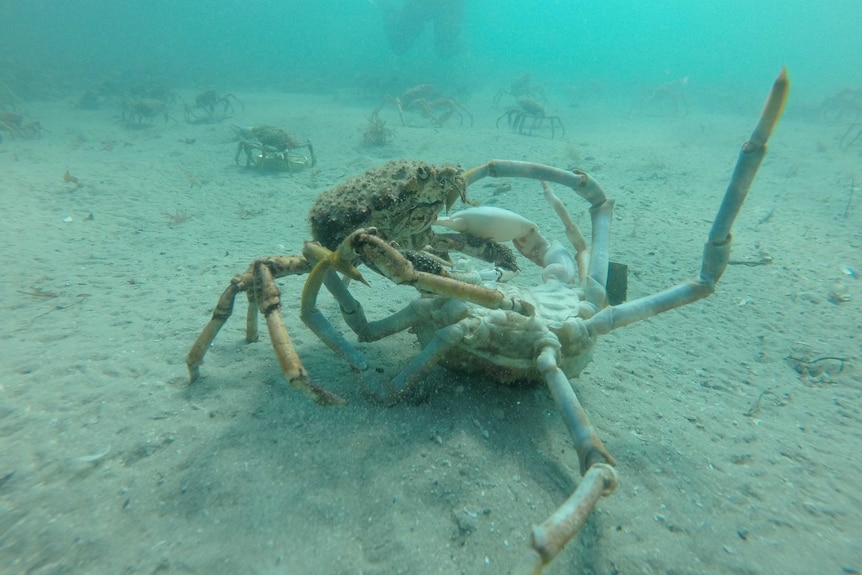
[[716, 252], [601, 211], [573, 232], [551, 537]]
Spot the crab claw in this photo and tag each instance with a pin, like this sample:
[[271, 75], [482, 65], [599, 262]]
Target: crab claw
[[317, 252], [457, 192], [489, 223]]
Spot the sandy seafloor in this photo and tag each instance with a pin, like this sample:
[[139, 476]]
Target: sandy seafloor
[[731, 461]]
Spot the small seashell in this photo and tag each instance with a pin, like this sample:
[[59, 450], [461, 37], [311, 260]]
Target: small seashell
[[68, 219], [839, 293], [95, 457]]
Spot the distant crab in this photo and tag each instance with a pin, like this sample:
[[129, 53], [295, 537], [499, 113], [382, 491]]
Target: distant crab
[[430, 103], [271, 148], [211, 107], [521, 87], [14, 124], [376, 133], [667, 99], [136, 110], [529, 115]]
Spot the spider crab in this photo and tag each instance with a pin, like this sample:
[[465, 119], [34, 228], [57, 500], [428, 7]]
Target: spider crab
[[430, 103], [529, 115], [383, 219], [211, 107], [136, 110], [14, 124], [271, 148], [521, 87], [667, 99]]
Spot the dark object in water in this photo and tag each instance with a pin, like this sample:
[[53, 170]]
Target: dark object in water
[[618, 282], [404, 25]]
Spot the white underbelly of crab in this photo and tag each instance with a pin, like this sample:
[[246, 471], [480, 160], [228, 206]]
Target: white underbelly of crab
[[503, 345]]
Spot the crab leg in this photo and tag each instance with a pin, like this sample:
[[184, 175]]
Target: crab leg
[[221, 313], [280, 266], [316, 321], [716, 252], [258, 282], [573, 232], [551, 537], [392, 264], [600, 479], [450, 312], [601, 210], [269, 301]]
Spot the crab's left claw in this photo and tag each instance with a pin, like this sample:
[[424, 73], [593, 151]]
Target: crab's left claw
[[454, 194]]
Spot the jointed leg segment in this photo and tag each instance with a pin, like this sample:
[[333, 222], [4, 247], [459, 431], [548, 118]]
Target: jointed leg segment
[[258, 283]]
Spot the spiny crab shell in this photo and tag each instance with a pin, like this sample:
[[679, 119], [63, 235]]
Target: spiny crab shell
[[271, 136], [401, 198]]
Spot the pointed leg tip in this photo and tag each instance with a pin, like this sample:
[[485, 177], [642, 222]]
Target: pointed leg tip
[[329, 399], [316, 393]]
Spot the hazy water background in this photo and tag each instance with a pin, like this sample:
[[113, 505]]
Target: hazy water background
[[317, 45], [733, 460]]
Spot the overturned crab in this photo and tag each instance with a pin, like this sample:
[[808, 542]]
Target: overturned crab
[[477, 320], [271, 148]]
